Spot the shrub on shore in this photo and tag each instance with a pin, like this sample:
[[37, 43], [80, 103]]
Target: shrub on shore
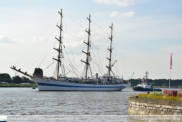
[[159, 96]]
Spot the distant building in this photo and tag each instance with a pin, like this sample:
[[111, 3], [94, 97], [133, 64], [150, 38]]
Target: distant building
[[25, 83]]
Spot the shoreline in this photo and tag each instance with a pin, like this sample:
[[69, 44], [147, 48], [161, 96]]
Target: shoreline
[[31, 85], [18, 85]]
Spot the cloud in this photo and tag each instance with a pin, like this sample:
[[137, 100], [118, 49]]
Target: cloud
[[124, 14], [4, 39], [128, 14], [18, 40], [1, 45], [118, 2], [42, 38], [114, 14], [74, 39], [35, 39]]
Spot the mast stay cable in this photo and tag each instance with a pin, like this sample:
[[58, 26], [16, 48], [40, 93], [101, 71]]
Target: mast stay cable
[[38, 37]]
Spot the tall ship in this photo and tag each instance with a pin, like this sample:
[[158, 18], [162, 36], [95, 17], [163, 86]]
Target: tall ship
[[61, 82]]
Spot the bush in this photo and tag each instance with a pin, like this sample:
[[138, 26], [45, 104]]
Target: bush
[[17, 80], [159, 96]]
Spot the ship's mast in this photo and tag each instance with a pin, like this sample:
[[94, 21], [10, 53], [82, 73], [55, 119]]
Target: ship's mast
[[110, 50], [88, 45], [60, 44]]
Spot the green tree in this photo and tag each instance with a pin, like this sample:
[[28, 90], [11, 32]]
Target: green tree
[[153, 83], [164, 85], [24, 78], [17, 80], [38, 72], [5, 77]]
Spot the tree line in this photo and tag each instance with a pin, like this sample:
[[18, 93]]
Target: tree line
[[4, 77], [158, 82]]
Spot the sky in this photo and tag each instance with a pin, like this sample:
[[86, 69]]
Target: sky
[[145, 33]]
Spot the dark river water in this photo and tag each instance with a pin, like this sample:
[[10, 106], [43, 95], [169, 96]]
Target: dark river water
[[79, 106]]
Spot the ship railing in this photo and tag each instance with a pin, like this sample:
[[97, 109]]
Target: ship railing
[[44, 77], [81, 81], [94, 82]]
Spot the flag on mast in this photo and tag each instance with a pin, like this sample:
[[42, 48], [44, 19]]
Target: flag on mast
[[171, 63]]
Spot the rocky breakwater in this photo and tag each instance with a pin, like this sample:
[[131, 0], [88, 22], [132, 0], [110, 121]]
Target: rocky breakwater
[[146, 107], [141, 106]]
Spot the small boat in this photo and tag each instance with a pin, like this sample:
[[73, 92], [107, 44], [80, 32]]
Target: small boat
[[145, 85]]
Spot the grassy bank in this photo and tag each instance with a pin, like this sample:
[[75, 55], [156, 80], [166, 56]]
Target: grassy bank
[[17, 85], [159, 96], [166, 87]]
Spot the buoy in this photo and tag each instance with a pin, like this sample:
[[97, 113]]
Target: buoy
[[33, 87]]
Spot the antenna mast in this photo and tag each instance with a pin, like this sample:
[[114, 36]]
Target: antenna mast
[[146, 75], [109, 67], [60, 45], [88, 45]]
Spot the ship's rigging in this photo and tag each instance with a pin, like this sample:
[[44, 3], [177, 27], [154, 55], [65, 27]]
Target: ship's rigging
[[110, 50], [60, 45], [88, 54]]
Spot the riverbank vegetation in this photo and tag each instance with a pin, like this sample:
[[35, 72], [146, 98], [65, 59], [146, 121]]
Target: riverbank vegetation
[[159, 96], [6, 79], [18, 85], [157, 83], [160, 83]]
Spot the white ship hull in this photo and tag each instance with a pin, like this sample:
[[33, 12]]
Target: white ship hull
[[53, 85]]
